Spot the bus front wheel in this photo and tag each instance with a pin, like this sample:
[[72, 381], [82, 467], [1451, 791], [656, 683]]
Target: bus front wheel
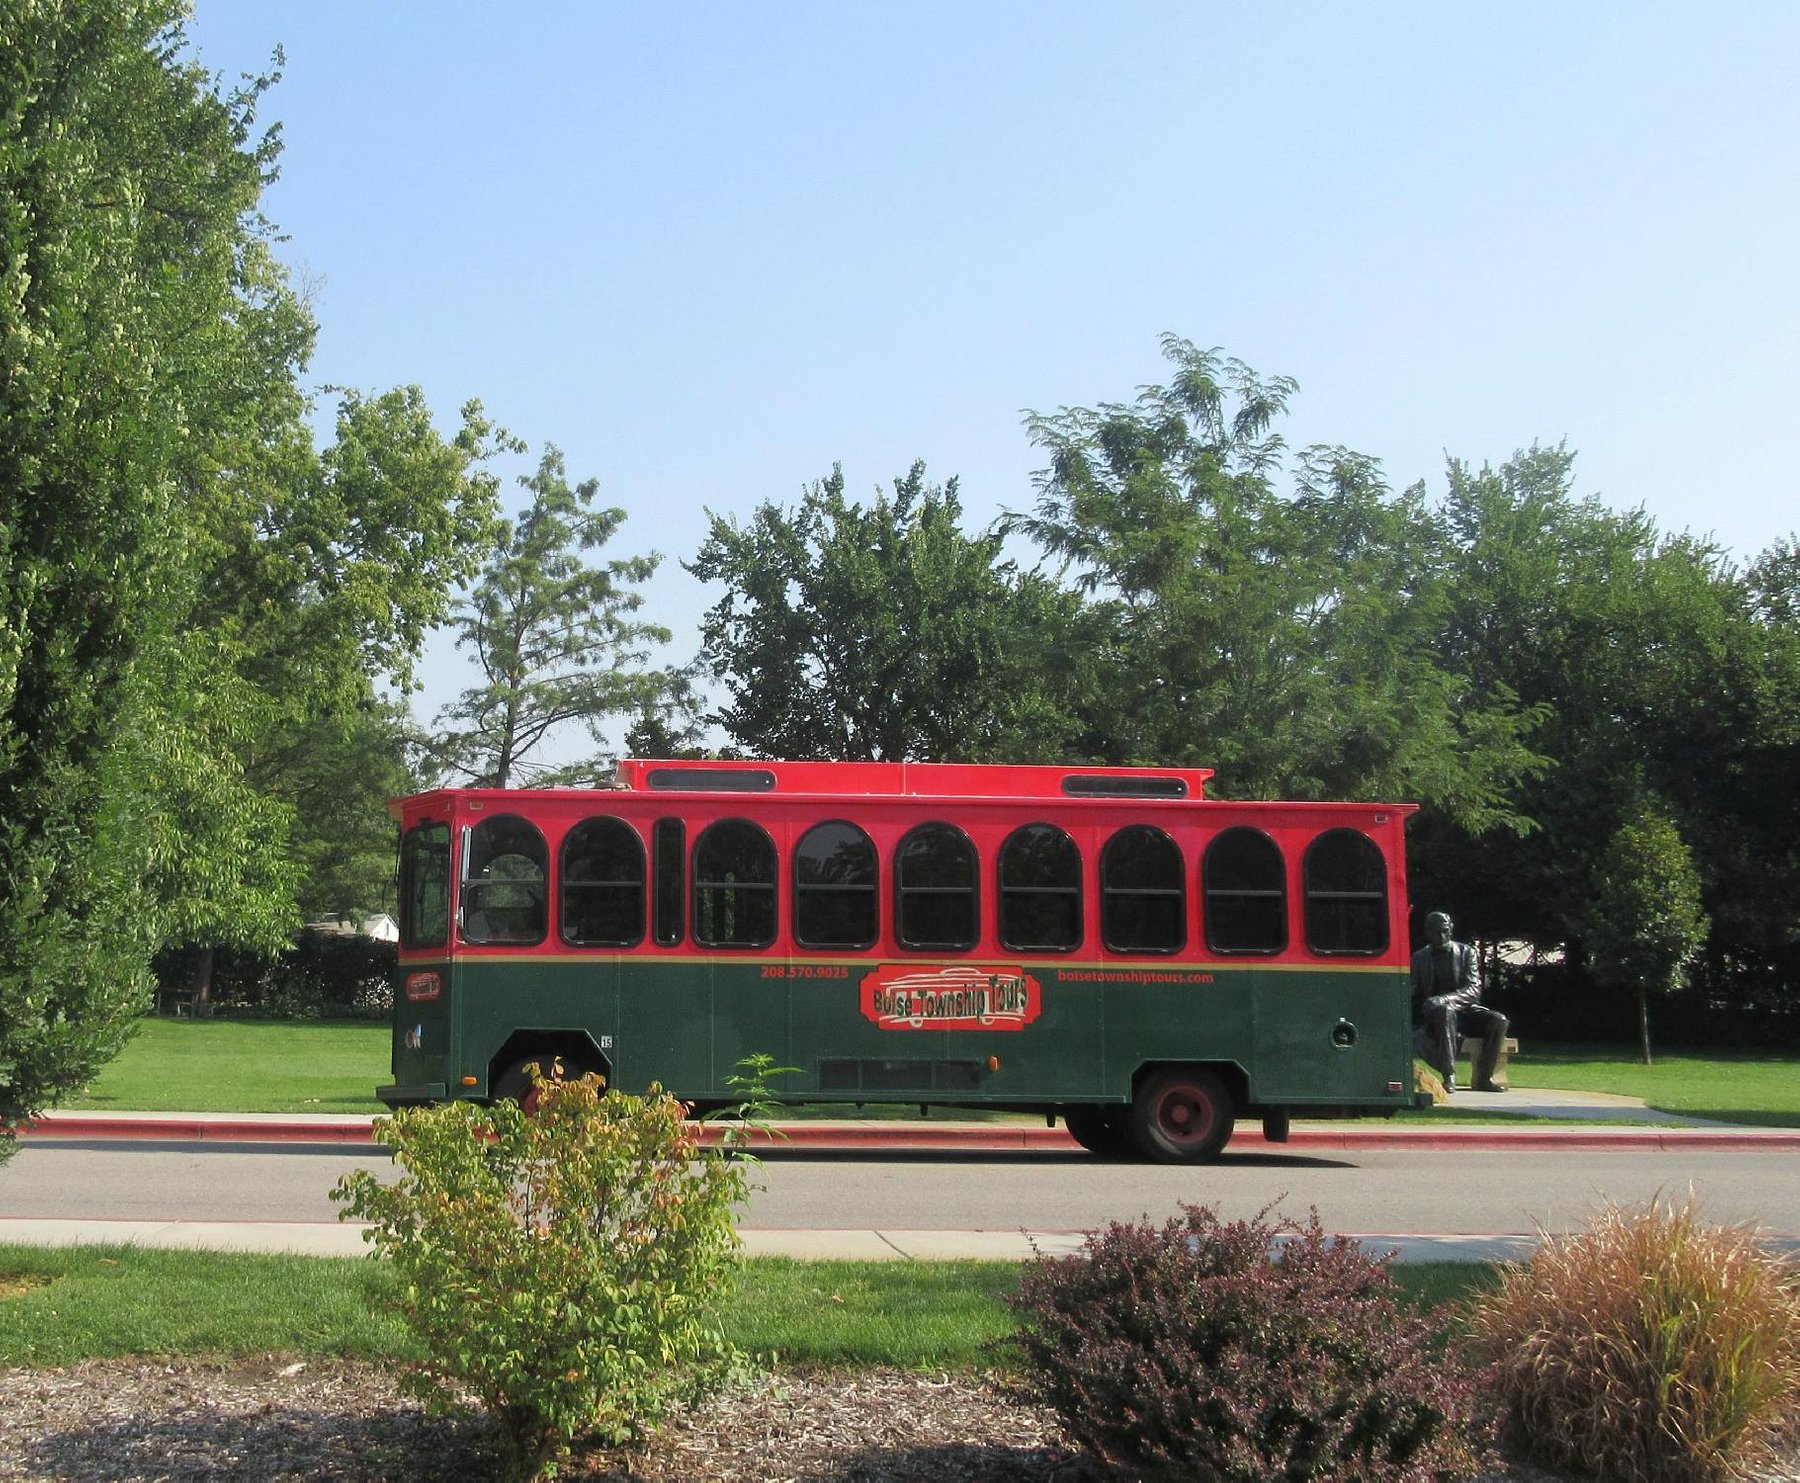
[[1182, 1116], [514, 1084]]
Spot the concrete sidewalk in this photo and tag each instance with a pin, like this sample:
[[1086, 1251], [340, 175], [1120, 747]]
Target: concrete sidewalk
[[329, 1238]]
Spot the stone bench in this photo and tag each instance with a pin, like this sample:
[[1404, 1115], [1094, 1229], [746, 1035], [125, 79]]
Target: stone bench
[[1470, 1051]]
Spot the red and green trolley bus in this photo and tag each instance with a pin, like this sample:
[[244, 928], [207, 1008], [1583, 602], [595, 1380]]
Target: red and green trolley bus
[[1105, 945]]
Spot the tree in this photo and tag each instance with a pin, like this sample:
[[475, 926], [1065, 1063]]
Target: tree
[[319, 573], [129, 254], [190, 593], [1757, 870], [553, 636], [338, 779], [672, 724], [1657, 675], [1286, 640], [1646, 923], [882, 631]]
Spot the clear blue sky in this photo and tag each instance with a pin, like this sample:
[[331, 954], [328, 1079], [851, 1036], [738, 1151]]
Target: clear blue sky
[[710, 249]]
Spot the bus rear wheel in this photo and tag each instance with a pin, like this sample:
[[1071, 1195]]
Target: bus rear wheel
[[1182, 1116], [1101, 1130], [514, 1084]]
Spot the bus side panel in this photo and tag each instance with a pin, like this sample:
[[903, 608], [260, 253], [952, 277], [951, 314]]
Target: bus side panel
[[821, 1021], [665, 1019], [502, 996], [808, 1016], [1203, 1016], [1059, 1053], [1331, 1036], [753, 1014]]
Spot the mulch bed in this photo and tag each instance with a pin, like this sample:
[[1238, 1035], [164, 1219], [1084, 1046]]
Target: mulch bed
[[110, 1420], [113, 1420]]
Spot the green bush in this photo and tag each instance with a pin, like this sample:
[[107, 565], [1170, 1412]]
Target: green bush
[[319, 975], [1244, 1351], [562, 1267], [1650, 1348]]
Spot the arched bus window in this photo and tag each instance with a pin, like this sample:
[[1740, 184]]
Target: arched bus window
[[936, 906], [503, 881], [1346, 893], [602, 885], [425, 886], [1245, 886], [734, 885], [1143, 892], [1040, 890], [835, 887]]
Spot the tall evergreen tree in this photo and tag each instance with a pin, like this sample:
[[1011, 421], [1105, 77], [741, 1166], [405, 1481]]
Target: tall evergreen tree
[[554, 638], [127, 239], [188, 590]]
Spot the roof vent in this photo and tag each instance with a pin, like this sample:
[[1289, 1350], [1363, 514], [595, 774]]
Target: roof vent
[[1099, 786], [712, 779]]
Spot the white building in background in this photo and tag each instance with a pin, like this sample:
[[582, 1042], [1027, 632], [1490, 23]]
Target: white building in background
[[380, 926]]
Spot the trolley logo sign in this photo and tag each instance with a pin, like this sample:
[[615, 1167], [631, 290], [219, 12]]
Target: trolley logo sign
[[900, 997]]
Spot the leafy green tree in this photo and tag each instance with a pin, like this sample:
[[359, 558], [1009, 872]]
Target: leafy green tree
[[1646, 923], [325, 568], [672, 724], [882, 631], [1657, 675], [1286, 639], [553, 636], [337, 780], [189, 591], [319, 575], [1756, 858], [131, 268]]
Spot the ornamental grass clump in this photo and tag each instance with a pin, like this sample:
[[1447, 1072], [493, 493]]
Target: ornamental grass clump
[[1241, 1352], [562, 1267], [1650, 1348]]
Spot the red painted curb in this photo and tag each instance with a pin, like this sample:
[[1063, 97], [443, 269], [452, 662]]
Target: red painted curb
[[187, 1130], [994, 1138], [1647, 1139]]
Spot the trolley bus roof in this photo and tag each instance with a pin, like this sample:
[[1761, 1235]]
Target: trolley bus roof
[[913, 779], [966, 781]]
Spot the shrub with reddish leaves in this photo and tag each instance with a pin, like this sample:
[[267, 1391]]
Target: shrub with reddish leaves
[[1247, 1350]]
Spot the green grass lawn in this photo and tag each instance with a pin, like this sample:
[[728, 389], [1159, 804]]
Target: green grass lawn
[[214, 1065], [1731, 1086], [60, 1305]]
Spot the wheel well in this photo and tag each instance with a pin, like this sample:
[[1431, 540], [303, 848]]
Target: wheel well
[[1236, 1081], [574, 1048]]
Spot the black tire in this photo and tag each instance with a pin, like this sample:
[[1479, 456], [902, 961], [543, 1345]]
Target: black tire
[[1182, 1116], [514, 1084], [1102, 1130]]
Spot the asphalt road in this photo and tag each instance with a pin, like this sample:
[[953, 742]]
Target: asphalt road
[[1396, 1191]]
